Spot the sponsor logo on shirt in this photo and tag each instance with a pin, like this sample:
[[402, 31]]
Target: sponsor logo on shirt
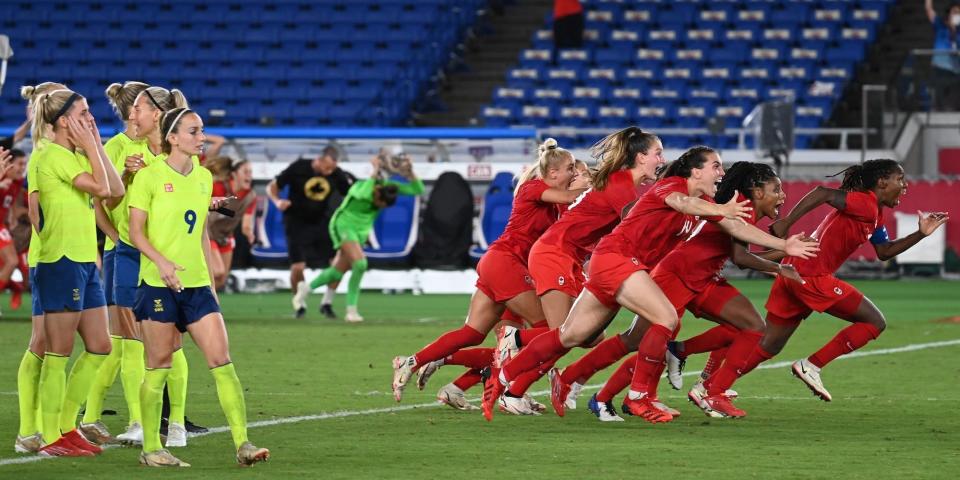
[[168, 187]]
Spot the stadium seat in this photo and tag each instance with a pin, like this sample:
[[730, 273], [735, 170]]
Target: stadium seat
[[495, 211], [394, 233], [271, 238]]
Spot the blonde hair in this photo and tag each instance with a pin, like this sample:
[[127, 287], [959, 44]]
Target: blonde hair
[[618, 151], [122, 96], [164, 100], [47, 108], [549, 154], [31, 92]]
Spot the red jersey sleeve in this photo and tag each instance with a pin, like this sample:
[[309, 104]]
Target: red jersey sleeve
[[665, 187], [219, 190], [532, 190], [862, 206]]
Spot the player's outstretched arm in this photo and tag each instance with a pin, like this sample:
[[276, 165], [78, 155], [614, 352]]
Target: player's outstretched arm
[[699, 207], [743, 258], [816, 197], [886, 249], [795, 246]]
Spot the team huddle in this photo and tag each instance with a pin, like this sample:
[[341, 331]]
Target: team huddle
[[581, 244], [145, 189]]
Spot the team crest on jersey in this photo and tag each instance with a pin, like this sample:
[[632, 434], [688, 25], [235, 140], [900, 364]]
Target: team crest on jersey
[[76, 294], [157, 305], [561, 280], [837, 290], [528, 280], [635, 261], [168, 187]]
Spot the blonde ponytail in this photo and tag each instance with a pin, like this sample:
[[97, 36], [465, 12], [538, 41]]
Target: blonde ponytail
[[122, 96], [47, 108], [548, 154]]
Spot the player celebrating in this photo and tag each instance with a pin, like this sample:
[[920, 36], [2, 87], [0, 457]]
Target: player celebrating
[[168, 208], [11, 185], [865, 190], [618, 273], [231, 179], [503, 279]]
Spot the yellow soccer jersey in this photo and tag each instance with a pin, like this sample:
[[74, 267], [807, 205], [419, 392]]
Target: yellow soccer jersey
[[120, 216], [176, 207], [114, 148], [33, 251], [69, 227]]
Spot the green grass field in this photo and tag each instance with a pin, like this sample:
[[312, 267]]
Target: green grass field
[[890, 418]]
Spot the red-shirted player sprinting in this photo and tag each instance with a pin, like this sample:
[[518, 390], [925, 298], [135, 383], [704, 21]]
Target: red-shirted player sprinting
[[556, 259], [858, 218], [503, 278], [11, 188], [618, 275], [690, 278]]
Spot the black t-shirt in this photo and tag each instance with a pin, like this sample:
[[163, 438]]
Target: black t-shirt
[[312, 194]]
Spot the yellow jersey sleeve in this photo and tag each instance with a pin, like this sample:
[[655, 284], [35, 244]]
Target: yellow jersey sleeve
[[69, 227]]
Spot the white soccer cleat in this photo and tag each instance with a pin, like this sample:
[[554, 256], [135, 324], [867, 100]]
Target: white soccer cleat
[[535, 405], [176, 436], [516, 406], [300, 295], [28, 444], [666, 408], [426, 371], [698, 395], [133, 435], [810, 375], [249, 454], [674, 368], [402, 371], [161, 458], [451, 395], [571, 402], [604, 411], [507, 347], [352, 316]]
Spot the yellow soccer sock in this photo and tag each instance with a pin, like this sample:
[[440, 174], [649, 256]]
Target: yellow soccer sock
[[230, 393], [151, 401], [28, 385], [53, 380], [103, 381], [81, 378], [131, 375], [177, 387]]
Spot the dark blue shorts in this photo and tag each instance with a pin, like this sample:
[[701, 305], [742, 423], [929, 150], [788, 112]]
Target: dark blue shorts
[[68, 286], [126, 274], [162, 304], [108, 259], [35, 293]]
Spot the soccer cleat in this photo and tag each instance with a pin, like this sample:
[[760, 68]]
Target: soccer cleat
[[133, 435], [352, 316], [534, 404], [28, 444], [697, 395], [192, 427], [300, 313], [96, 432], [492, 390], [161, 458], [666, 408], [571, 402], [810, 375], [643, 407], [451, 395], [507, 347], [327, 311], [63, 448], [300, 294], [248, 454], [721, 404], [176, 436], [426, 371], [74, 437], [516, 406], [402, 371], [558, 392], [605, 411], [675, 366]]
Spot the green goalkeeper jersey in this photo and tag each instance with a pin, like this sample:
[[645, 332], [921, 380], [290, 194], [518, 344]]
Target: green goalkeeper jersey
[[355, 216]]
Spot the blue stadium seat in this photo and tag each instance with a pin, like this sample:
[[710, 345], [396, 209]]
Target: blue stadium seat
[[272, 240], [394, 232], [495, 209]]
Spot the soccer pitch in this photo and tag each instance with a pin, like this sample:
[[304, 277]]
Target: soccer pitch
[[318, 395]]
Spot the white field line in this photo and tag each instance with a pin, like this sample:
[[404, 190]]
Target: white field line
[[401, 408]]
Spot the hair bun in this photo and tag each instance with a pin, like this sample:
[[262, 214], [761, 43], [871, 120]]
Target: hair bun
[[27, 92], [548, 144]]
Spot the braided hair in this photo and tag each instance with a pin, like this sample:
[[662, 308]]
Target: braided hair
[[864, 177], [742, 177]]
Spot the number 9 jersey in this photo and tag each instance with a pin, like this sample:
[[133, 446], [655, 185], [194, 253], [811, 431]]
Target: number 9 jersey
[[176, 207]]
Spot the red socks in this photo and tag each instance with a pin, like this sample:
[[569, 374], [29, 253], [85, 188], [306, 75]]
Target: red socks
[[545, 348], [737, 359], [714, 362], [521, 384], [650, 356], [846, 341], [471, 357], [528, 334], [468, 379], [618, 381], [447, 344], [540, 324], [600, 357], [713, 339]]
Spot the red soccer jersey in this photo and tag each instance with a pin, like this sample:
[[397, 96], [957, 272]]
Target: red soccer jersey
[[8, 196], [591, 216], [530, 217], [653, 228], [841, 233], [220, 190], [701, 257]]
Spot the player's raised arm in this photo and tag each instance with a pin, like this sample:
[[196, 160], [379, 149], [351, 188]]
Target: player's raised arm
[[927, 224]]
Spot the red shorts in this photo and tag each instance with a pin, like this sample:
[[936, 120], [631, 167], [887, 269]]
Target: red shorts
[[216, 247], [608, 271], [502, 276], [5, 237], [551, 269], [791, 301], [708, 302]]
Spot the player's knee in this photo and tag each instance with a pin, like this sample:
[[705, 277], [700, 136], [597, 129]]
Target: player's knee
[[359, 266], [218, 360], [38, 346], [772, 345], [879, 323], [159, 360]]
